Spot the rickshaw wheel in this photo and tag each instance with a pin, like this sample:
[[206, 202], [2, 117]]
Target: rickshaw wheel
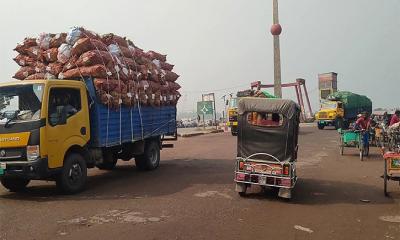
[[341, 146], [385, 180]]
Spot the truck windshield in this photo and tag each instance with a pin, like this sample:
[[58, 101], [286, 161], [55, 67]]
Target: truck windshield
[[233, 103], [328, 105], [20, 102]]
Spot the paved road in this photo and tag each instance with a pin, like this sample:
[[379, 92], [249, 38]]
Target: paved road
[[191, 196]]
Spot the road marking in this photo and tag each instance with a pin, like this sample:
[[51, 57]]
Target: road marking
[[212, 194], [392, 219], [304, 229], [113, 216]]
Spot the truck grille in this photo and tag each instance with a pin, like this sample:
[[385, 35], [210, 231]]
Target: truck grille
[[12, 154], [323, 115], [233, 118]]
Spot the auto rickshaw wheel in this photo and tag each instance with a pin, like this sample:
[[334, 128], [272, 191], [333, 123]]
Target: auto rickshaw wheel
[[241, 188], [385, 180]]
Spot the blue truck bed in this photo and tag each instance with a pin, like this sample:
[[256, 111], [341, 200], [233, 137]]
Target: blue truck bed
[[112, 128]]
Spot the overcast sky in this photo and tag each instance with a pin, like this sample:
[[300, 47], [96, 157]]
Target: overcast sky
[[223, 45]]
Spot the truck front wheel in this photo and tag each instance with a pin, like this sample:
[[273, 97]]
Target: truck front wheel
[[15, 184], [73, 176], [234, 131], [150, 159]]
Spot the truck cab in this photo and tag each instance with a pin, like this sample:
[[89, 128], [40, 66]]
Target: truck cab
[[232, 115], [55, 129], [330, 114]]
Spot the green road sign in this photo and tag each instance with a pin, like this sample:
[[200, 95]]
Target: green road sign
[[205, 107]]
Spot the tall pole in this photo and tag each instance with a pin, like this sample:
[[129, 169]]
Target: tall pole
[[277, 54]]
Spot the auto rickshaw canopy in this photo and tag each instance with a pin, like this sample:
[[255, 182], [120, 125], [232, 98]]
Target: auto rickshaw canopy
[[278, 140]]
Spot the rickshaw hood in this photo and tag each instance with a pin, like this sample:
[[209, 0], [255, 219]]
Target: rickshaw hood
[[280, 142], [288, 108]]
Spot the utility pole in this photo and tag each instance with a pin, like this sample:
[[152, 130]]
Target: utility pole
[[276, 31]]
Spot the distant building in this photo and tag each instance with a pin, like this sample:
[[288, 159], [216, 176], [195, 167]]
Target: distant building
[[327, 84]]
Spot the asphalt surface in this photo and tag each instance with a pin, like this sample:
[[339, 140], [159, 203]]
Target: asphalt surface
[[191, 196]]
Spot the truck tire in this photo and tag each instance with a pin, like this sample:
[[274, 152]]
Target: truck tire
[[15, 184], [73, 176], [320, 126], [109, 161], [234, 131], [150, 159]]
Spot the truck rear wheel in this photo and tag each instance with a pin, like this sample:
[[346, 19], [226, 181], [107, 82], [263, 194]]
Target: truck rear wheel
[[73, 176], [150, 159], [15, 184], [234, 131]]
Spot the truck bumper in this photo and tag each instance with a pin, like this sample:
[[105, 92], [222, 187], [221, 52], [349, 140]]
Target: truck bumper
[[326, 122], [34, 170], [232, 124]]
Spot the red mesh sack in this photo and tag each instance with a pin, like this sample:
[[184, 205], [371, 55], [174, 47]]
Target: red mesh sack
[[70, 64], [107, 85], [155, 55], [36, 76], [166, 66], [57, 40], [96, 71], [111, 38], [40, 67], [54, 68], [154, 86], [24, 60], [24, 72], [94, 57], [87, 44], [51, 55], [27, 43], [170, 76], [35, 53]]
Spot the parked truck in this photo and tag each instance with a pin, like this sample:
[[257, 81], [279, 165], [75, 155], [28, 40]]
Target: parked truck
[[56, 129], [232, 115], [341, 108]]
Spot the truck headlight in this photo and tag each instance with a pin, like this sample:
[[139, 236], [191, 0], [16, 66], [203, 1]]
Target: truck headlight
[[32, 152]]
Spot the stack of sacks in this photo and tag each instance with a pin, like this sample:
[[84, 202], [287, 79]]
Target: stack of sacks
[[123, 73]]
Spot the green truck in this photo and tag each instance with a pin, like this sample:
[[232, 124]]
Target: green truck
[[341, 108]]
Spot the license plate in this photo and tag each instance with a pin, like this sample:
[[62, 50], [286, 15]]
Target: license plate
[[262, 180], [395, 163], [322, 122], [2, 168]]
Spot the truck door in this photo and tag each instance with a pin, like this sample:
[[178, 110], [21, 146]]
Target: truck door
[[68, 122]]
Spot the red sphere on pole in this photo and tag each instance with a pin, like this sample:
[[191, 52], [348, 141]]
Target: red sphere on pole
[[276, 29]]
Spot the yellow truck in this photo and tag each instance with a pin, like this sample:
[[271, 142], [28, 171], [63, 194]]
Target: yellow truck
[[341, 108], [56, 129], [232, 116]]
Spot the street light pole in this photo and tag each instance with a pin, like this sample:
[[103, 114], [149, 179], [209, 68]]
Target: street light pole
[[277, 52]]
